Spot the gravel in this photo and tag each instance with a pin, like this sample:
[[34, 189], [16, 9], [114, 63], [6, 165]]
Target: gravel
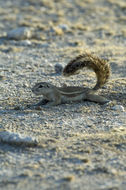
[[70, 146]]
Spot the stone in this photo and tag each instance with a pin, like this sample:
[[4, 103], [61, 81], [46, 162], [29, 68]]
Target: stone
[[64, 27], [58, 68], [118, 108], [20, 33]]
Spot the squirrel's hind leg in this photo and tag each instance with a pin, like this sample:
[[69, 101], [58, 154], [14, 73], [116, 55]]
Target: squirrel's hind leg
[[97, 98]]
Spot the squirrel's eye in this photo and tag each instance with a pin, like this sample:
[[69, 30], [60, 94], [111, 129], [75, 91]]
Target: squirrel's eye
[[40, 86]]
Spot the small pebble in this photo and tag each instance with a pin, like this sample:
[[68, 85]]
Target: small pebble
[[56, 30], [38, 108], [2, 77], [17, 108], [64, 27], [20, 33], [58, 68], [25, 43], [17, 139], [118, 108], [69, 178]]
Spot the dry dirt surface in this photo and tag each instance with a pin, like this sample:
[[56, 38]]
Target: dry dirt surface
[[80, 146]]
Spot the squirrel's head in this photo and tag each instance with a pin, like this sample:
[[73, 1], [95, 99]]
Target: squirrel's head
[[42, 88]]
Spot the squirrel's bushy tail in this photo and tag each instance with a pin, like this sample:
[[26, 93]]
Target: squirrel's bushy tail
[[99, 66]]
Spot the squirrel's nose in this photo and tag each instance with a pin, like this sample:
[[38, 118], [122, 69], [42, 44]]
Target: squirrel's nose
[[32, 89]]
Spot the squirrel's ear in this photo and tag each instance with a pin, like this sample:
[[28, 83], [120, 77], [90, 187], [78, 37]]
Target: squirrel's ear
[[64, 85]]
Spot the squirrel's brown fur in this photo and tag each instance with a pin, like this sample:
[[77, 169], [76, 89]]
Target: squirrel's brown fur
[[99, 66]]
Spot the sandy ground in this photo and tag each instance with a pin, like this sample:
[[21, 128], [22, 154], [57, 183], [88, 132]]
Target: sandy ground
[[79, 146]]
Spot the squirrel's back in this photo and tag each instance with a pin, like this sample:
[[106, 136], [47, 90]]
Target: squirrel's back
[[99, 66]]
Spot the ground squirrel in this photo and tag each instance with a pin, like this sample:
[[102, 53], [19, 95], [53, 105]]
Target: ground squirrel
[[57, 95]]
